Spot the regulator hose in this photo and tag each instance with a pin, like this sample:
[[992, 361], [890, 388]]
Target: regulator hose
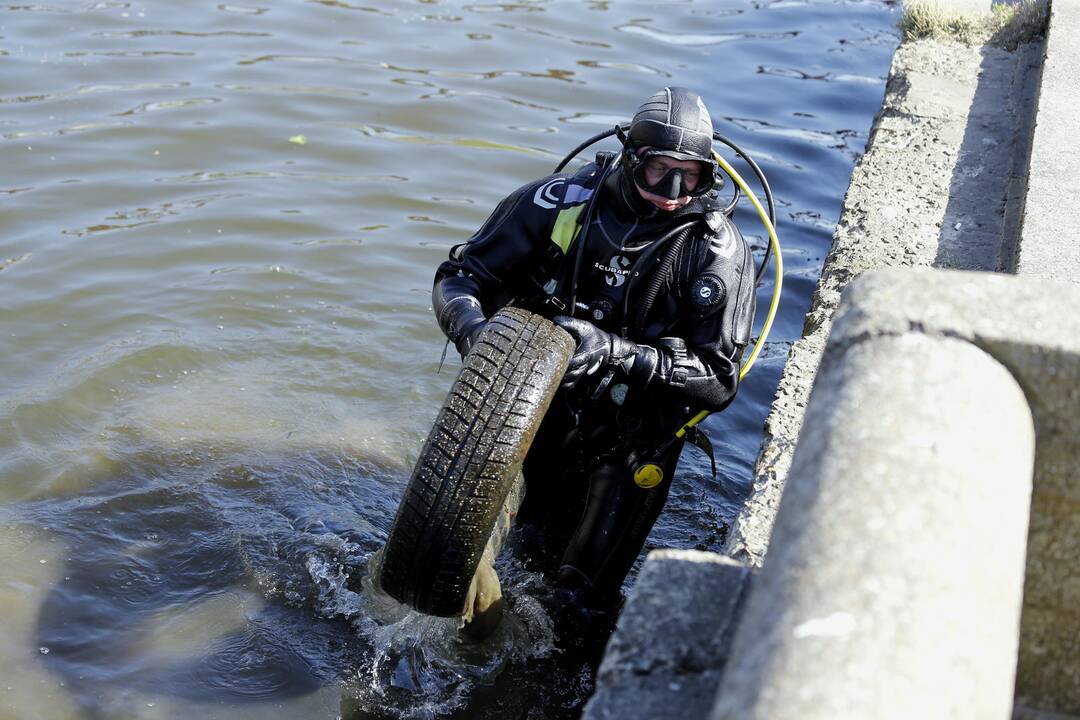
[[777, 288], [764, 186], [594, 139], [774, 242], [658, 276]]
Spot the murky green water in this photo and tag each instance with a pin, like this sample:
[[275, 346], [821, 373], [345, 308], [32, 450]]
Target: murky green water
[[218, 227]]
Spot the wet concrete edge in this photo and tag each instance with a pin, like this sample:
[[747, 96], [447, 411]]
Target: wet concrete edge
[[942, 184], [668, 654]]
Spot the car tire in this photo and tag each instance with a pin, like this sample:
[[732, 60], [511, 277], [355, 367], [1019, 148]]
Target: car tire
[[471, 459]]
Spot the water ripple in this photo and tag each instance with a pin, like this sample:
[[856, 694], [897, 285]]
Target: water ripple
[[81, 127], [504, 7], [813, 219], [129, 53], [442, 18], [797, 74], [328, 59], [553, 73], [543, 33], [251, 664], [443, 92], [835, 139], [217, 176], [38, 8], [782, 4], [636, 67], [592, 119], [243, 9], [278, 269], [9, 262], [478, 143], [148, 215], [698, 39], [348, 6], [177, 33], [168, 105], [92, 89], [295, 90]]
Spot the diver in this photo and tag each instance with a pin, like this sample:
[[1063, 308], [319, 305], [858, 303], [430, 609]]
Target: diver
[[637, 259]]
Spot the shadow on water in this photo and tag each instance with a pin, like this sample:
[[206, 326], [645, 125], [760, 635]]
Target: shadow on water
[[222, 581]]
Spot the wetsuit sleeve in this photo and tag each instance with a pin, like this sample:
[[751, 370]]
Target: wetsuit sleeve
[[699, 363], [500, 256]]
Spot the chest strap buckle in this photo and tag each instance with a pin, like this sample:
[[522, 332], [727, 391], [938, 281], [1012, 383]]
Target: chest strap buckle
[[553, 301]]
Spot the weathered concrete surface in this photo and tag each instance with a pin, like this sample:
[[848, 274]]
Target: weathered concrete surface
[[1024, 713], [946, 156], [1050, 248], [1032, 327], [666, 656], [892, 588]]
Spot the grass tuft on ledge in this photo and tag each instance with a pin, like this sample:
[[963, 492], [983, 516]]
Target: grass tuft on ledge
[[1006, 25]]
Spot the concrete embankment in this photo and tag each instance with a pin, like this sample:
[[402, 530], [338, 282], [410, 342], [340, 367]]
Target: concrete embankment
[[902, 565], [941, 185], [902, 552]]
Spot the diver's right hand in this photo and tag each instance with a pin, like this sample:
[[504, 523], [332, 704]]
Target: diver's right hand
[[468, 335]]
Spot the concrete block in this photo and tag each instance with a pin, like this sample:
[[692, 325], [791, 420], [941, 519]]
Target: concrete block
[[1032, 327], [892, 587], [933, 189], [667, 654], [1021, 712], [1049, 247]]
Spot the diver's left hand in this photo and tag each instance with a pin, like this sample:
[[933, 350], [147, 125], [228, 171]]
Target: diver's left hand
[[593, 348]]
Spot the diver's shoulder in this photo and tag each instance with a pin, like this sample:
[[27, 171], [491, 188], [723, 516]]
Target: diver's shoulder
[[561, 190]]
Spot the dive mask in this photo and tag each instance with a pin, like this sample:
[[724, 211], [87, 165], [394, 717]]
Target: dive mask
[[673, 184]]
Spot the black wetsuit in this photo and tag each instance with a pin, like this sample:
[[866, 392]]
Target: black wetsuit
[[579, 470]]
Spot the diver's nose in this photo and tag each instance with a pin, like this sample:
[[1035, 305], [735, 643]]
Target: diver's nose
[[671, 185]]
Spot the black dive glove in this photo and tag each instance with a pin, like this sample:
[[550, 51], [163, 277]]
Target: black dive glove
[[597, 350], [458, 311], [467, 338]]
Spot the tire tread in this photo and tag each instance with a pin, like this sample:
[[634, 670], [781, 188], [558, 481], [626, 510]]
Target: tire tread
[[470, 459]]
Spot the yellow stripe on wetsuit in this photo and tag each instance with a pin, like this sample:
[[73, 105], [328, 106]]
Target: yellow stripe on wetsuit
[[566, 228]]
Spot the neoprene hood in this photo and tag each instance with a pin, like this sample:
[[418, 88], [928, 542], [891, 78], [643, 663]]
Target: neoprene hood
[[676, 122]]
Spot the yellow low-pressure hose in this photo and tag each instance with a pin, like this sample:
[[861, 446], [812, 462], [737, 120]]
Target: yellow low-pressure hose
[[777, 286]]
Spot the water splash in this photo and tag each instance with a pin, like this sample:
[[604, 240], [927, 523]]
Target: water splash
[[334, 597], [425, 667]]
